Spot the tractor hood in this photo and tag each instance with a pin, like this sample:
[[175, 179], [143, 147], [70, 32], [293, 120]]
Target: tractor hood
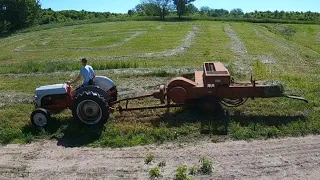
[[51, 89]]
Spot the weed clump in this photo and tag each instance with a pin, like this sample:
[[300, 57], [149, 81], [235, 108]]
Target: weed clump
[[149, 158], [206, 166], [182, 173], [155, 173]]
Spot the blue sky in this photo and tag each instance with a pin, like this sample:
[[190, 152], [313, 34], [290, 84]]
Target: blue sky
[[122, 6]]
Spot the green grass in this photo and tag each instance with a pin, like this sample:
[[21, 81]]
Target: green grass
[[296, 66]]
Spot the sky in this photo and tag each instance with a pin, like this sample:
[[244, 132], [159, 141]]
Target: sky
[[122, 6]]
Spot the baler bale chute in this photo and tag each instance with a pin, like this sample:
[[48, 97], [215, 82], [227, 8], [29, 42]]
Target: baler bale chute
[[207, 88]]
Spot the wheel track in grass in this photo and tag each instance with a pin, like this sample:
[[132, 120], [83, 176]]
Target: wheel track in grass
[[184, 46], [238, 47], [186, 43], [124, 71], [127, 87], [243, 59], [133, 36], [138, 81], [288, 158], [291, 49]]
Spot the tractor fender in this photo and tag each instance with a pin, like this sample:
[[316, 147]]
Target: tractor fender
[[95, 89]]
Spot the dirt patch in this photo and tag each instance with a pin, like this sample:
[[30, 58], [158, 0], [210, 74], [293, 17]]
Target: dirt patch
[[290, 158]]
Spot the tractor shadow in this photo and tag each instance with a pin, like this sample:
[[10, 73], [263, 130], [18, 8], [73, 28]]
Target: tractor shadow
[[67, 132], [70, 133]]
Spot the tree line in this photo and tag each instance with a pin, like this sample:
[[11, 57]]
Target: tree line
[[19, 14], [162, 8]]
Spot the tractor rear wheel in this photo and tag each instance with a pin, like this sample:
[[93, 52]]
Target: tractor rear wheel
[[90, 108], [40, 118]]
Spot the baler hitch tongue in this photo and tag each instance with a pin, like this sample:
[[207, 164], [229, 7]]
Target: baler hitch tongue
[[297, 98]]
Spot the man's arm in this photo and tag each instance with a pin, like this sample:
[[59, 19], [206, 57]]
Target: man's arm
[[74, 81]]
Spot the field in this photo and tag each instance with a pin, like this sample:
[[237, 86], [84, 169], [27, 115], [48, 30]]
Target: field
[[139, 56]]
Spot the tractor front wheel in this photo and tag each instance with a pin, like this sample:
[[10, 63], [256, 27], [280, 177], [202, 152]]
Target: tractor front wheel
[[40, 117]]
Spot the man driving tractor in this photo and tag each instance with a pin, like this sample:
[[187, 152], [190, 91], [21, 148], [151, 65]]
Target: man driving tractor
[[87, 73], [89, 78]]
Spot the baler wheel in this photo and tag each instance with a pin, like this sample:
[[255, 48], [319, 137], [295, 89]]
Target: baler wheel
[[40, 118], [233, 102], [90, 108]]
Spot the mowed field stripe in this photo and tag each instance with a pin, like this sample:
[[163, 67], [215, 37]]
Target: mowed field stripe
[[169, 70], [290, 52], [184, 46], [134, 35]]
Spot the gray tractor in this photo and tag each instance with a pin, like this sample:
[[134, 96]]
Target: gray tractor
[[89, 104]]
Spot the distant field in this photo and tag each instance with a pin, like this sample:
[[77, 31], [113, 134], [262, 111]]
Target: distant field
[[141, 55]]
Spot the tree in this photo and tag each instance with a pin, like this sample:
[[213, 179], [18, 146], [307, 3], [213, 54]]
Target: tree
[[162, 6], [148, 9], [191, 9], [19, 14], [181, 6], [236, 12], [204, 10], [131, 12]]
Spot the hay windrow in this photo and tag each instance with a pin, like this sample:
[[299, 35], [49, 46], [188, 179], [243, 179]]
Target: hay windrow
[[184, 46], [237, 45], [134, 35], [170, 70], [9, 98]]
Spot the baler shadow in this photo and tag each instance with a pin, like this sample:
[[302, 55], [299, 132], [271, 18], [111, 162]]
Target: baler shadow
[[70, 133], [211, 123], [218, 123], [268, 120]]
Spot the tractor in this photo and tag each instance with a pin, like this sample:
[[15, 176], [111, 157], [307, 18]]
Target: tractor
[[91, 104]]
